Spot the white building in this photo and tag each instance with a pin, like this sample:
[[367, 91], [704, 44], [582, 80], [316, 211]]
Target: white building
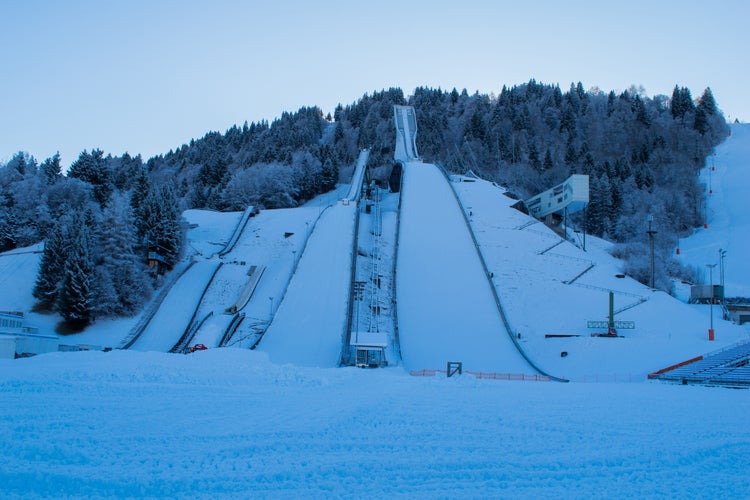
[[17, 340]]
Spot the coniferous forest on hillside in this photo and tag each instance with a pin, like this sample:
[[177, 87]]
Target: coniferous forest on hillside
[[101, 216]]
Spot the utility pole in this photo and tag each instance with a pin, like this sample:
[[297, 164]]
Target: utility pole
[[711, 307], [651, 234]]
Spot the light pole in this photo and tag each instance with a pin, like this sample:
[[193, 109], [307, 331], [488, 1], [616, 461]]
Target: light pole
[[270, 299], [651, 234], [711, 306], [722, 254]]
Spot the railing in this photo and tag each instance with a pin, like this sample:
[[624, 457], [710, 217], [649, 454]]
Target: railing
[[396, 339], [231, 329], [521, 377], [149, 313], [190, 331], [238, 230]]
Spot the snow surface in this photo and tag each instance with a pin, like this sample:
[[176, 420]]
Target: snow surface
[[727, 218], [227, 423], [538, 278], [309, 327], [446, 311], [173, 317]]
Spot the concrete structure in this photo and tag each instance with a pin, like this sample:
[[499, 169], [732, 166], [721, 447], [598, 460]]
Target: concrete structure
[[570, 196]]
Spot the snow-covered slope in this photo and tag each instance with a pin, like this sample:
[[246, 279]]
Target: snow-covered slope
[[446, 311], [309, 326], [727, 215], [550, 286]]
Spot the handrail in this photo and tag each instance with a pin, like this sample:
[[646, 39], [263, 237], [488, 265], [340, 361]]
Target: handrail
[[185, 335], [135, 333], [291, 275], [231, 329], [495, 295], [238, 230], [347, 334], [189, 335], [396, 339]]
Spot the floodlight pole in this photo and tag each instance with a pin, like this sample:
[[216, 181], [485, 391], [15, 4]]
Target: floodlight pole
[[651, 234], [711, 306]]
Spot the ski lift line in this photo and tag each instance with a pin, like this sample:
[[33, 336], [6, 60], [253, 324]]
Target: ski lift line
[[190, 331], [509, 331], [238, 230], [149, 313]]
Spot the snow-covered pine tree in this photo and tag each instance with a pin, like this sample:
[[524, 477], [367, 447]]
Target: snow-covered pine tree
[[52, 266], [75, 300], [122, 284]]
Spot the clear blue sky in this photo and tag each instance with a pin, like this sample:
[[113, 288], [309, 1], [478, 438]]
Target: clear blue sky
[[147, 76]]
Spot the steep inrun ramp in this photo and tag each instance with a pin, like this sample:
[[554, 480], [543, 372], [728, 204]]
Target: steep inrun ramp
[[309, 326], [446, 309], [176, 311]]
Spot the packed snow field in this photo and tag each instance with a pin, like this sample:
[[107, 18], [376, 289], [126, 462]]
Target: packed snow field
[[228, 423], [231, 422]]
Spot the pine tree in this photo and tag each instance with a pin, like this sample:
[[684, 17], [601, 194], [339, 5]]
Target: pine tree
[[52, 266], [75, 300], [94, 169], [122, 281], [159, 224], [707, 102], [51, 169]]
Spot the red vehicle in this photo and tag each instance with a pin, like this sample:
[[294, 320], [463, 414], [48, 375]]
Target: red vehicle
[[198, 347]]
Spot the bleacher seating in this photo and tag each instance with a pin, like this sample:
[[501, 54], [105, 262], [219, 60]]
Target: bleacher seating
[[730, 366]]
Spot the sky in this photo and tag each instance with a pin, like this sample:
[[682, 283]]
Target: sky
[[147, 76]]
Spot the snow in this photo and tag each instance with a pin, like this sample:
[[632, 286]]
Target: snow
[[173, 317], [310, 324], [446, 311], [534, 271], [728, 221], [280, 421], [227, 423]]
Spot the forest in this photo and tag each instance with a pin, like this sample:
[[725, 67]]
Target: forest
[[104, 216]]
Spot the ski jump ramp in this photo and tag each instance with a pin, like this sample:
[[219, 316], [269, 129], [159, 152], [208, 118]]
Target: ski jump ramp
[[309, 326], [446, 309], [406, 133]]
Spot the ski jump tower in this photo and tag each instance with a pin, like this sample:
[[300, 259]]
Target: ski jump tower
[[406, 134]]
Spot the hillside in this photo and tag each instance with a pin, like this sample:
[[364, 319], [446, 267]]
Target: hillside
[[230, 422]]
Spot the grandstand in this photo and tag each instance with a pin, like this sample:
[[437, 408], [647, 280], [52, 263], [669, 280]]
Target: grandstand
[[728, 367]]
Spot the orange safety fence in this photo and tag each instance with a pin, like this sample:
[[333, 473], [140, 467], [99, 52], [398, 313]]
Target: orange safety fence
[[486, 375]]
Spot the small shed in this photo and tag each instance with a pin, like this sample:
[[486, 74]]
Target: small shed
[[369, 349]]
